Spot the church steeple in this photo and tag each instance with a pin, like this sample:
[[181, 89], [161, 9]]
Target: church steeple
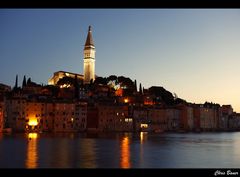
[[89, 58], [89, 40]]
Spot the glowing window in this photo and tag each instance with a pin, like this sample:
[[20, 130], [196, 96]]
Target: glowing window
[[128, 119], [144, 126]]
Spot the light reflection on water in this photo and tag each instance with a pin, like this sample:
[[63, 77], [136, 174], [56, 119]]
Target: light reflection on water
[[120, 150], [32, 154], [125, 153]]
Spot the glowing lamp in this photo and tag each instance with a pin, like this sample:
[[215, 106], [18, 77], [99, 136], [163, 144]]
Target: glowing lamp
[[126, 100], [32, 122]]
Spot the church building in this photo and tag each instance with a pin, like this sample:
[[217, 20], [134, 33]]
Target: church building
[[88, 64]]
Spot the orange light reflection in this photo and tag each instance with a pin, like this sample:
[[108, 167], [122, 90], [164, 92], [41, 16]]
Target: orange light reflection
[[32, 155], [125, 153]]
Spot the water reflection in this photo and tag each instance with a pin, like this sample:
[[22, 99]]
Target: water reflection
[[141, 150], [125, 153], [32, 154], [143, 137], [88, 154]]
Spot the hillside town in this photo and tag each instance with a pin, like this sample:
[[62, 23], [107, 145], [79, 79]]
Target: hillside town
[[72, 102], [107, 104]]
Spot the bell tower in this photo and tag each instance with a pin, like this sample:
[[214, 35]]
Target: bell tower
[[89, 58]]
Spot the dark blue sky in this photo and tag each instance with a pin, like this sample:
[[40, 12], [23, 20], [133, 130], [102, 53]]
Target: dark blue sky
[[192, 52]]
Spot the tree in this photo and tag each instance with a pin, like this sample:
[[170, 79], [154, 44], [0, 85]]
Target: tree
[[179, 101], [16, 82], [100, 80], [135, 85], [140, 89], [29, 81], [162, 95], [66, 80], [112, 78], [24, 83]]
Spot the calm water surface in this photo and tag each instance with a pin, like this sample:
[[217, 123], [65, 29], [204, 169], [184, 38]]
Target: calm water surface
[[120, 150]]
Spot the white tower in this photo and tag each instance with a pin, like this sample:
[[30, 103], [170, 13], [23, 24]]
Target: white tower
[[89, 58]]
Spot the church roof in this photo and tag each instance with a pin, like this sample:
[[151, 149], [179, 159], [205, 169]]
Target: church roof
[[89, 41]]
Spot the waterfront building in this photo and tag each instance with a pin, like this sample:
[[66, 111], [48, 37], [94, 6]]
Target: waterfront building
[[15, 110], [92, 118], [186, 117], [141, 119], [39, 113], [173, 118], [70, 117], [224, 119], [234, 121], [227, 109], [206, 117], [114, 118], [158, 119]]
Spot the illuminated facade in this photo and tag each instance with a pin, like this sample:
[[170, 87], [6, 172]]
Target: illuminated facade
[[89, 59], [114, 118], [60, 74], [15, 110], [30, 115], [70, 117], [158, 119], [141, 118]]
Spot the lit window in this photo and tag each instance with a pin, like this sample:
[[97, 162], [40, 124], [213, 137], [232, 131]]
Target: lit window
[[144, 126], [128, 119]]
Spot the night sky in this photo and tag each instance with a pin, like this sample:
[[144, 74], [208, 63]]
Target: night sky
[[194, 53]]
